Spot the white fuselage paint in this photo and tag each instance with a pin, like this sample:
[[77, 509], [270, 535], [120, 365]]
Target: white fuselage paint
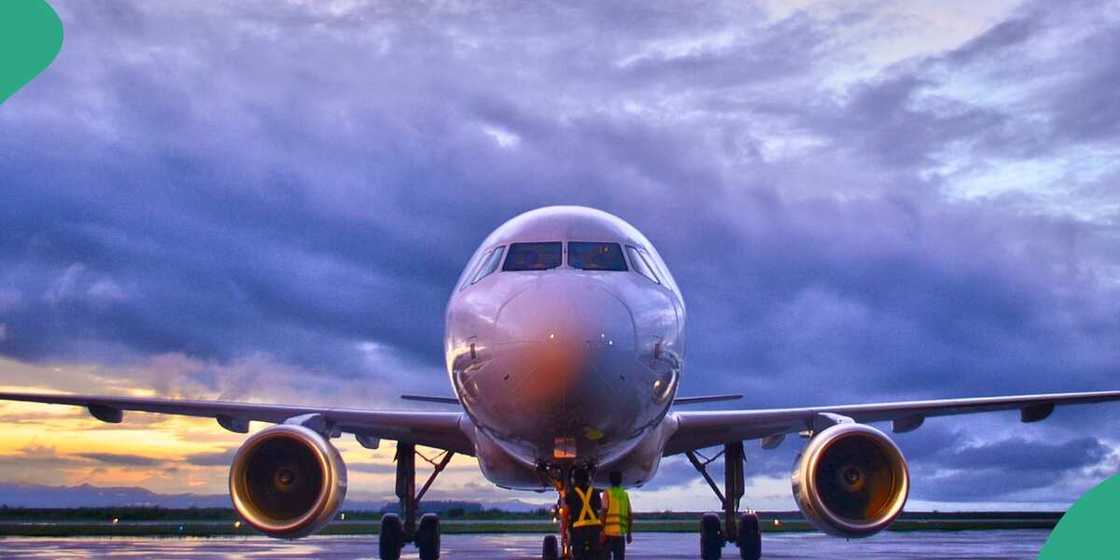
[[565, 366]]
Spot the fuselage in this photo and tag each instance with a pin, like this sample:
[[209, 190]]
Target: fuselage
[[564, 343]]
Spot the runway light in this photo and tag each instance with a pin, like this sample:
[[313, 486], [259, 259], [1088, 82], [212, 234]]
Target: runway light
[[116, 520], [237, 524], [777, 522]]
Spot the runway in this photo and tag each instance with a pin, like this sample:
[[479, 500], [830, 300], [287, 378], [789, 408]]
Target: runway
[[971, 545]]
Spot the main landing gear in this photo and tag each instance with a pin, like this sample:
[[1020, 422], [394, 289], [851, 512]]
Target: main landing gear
[[744, 533], [395, 532]]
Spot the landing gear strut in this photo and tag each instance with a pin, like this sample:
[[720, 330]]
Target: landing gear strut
[[395, 533], [561, 477], [745, 532]]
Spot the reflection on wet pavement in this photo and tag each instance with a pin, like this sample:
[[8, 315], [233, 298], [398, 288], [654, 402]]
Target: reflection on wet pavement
[[987, 545]]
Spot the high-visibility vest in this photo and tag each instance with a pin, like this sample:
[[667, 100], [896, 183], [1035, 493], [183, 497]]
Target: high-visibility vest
[[587, 514], [617, 522]]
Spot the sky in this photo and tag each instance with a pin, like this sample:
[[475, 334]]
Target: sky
[[861, 201]]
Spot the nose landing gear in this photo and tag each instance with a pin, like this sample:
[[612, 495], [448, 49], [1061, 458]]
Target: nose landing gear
[[553, 548], [395, 533], [744, 532]]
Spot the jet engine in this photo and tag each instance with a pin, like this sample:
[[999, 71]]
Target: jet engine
[[851, 481], [287, 481]]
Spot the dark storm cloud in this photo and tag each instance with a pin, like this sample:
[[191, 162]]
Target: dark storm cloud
[[956, 464], [1079, 108], [219, 459], [1005, 469], [1020, 454], [371, 468], [228, 180], [122, 459]]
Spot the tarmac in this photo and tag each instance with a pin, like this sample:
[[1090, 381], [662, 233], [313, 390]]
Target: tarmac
[[954, 545]]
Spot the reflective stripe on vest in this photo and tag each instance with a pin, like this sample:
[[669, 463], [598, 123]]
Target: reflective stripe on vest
[[617, 522], [587, 514]]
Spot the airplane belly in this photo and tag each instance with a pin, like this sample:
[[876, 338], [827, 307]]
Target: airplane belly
[[638, 464]]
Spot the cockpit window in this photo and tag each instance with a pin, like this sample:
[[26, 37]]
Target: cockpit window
[[489, 264], [641, 264], [595, 256], [534, 256]]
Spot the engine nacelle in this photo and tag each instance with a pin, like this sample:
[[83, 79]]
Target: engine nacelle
[[287, 481], [851, 481]]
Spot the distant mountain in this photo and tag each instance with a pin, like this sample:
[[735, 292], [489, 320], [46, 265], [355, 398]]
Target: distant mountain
[[516, 506], [42, 496]]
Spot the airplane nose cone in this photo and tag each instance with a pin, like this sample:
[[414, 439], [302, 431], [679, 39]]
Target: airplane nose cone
[[572, 341]]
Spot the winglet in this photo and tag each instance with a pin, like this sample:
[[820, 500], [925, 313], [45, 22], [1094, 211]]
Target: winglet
[[427, 398]]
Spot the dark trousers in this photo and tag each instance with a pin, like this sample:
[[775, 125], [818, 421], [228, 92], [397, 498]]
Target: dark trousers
[[585, 542], [616, 548]]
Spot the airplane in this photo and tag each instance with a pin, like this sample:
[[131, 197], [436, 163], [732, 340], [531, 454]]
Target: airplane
[[564, 344]]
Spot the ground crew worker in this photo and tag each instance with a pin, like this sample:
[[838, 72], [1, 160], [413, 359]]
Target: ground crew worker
[[617, 521], [584, 504]]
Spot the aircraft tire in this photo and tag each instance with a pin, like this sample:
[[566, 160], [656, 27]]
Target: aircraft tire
[[427, 537], [391, 540], [750, 537], [551, 548], [711, 537]]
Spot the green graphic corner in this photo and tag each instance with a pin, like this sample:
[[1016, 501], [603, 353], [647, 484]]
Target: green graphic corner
[[1090, 530], [30, 38]]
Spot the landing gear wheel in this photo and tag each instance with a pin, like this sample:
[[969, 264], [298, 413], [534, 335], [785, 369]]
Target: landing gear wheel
[[551, 548], [711, 537], [749, 538], [427, 537], [391, 539]]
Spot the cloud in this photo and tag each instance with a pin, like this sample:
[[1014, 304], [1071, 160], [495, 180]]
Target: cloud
[[218, 459], [1020, 454], [122, 459], [1016, 470], [46, 457], [9, 298], [371, 468], [272, 202]]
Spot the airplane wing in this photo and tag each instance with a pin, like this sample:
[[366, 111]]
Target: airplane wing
[[434, 429], [695, 430]]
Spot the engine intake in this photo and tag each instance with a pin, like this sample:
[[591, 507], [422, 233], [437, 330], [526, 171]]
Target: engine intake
[[287, 481], [851, 481]]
